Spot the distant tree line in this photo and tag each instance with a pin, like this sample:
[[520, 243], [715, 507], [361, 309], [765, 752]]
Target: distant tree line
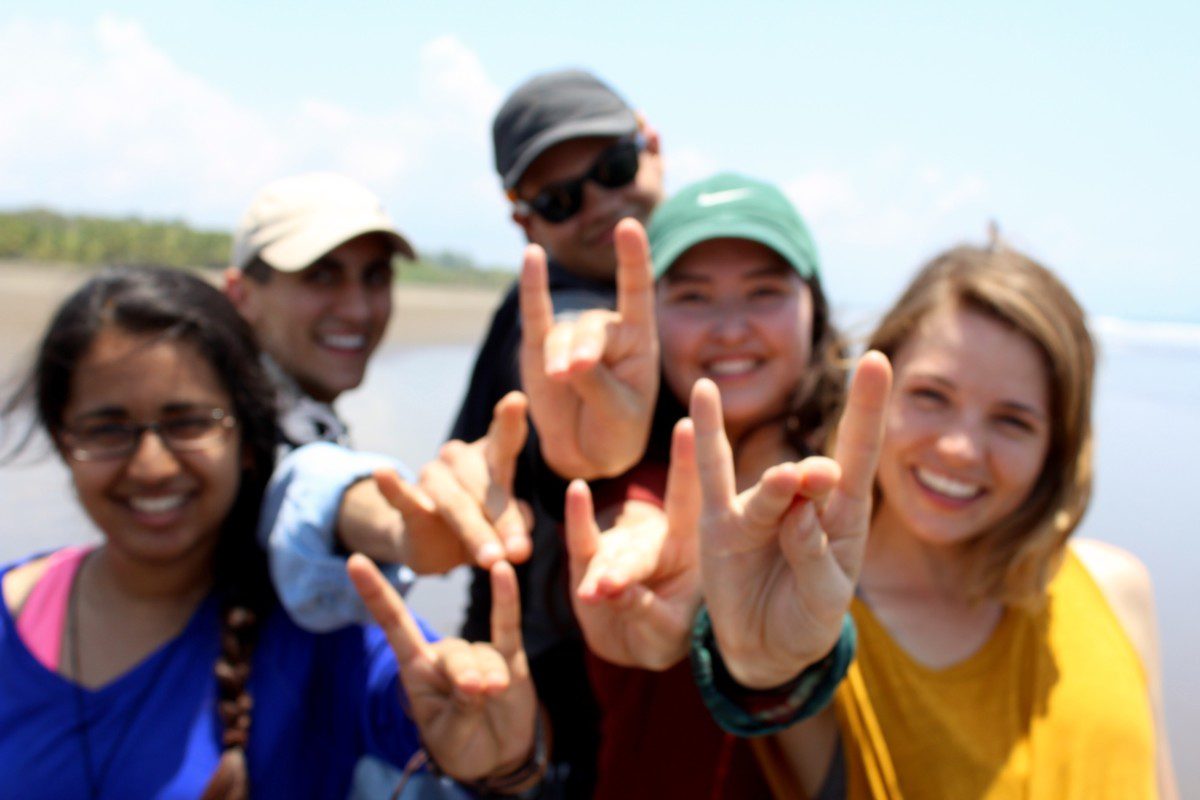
[[46, 235], [43, 235]]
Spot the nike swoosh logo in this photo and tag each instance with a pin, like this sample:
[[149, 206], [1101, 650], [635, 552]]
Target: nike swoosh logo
[[717, 198]]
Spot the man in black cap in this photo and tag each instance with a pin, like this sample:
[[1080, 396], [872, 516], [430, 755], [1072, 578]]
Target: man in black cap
[[574, 159]]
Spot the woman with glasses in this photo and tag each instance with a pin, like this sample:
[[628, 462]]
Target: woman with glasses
[[158, 663]]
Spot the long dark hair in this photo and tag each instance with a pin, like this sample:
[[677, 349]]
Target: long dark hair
[[176, 306]]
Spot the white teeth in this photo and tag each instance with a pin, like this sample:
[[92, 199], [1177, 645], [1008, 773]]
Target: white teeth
[[345, 341], [947, 486], [732, 366], [157, 505]]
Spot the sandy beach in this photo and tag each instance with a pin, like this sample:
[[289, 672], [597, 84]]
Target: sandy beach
[[423, 315]]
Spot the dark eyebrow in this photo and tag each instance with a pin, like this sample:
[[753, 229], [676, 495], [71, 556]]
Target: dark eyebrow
[[104, 411], [324, 262], [683, 277], [115, 412]]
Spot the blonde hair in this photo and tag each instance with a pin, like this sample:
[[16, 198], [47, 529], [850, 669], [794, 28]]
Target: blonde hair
[[1013, 560]]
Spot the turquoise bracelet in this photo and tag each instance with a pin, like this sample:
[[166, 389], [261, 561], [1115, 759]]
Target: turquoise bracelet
[[759, 712]]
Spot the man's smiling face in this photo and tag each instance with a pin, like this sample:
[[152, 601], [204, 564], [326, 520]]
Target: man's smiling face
[[322, 323]]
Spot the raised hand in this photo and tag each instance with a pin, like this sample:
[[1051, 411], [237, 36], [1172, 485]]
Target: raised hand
[[779, 562], [463, 510], [474, 704], [636, 587], [592, 379]]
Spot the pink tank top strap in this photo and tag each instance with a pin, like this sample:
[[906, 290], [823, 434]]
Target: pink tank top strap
[[44, 615]]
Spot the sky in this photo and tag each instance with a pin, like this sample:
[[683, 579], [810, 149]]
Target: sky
[[897, 131]]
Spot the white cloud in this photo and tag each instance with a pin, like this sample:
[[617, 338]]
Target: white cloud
[[876, 219], [100, 118], [822, 194]]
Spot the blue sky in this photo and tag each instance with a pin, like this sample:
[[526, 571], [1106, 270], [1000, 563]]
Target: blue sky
[[897, 131]]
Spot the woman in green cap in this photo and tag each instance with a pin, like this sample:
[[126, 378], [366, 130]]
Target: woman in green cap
[[741, 313]]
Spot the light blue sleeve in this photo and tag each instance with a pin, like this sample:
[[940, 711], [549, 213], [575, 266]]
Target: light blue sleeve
[[297, 528]]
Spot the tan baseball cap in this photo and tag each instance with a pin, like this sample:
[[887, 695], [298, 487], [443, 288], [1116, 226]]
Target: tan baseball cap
[[294, 221]]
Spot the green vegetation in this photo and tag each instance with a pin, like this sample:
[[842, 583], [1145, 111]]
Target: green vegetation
[[42, 235], [87, 241]]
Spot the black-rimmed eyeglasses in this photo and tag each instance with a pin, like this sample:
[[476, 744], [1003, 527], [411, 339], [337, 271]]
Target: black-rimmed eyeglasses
[[104, 438]]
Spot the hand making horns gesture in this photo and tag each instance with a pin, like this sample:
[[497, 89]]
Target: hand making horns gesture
[[463, 509], [780, 561], [592, 379], [636, 587], [473, 703]]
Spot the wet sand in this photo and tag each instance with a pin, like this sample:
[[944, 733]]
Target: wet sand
[[423, 315]]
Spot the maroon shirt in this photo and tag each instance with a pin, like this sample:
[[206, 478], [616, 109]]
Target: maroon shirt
[[657, 738]]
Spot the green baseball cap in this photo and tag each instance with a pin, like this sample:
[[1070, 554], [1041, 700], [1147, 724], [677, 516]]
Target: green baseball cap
[[730, 206]]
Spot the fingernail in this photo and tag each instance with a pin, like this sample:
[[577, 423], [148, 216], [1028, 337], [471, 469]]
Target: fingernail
[[489, 554]]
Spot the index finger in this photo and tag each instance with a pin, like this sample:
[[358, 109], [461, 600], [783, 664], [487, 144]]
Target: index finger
[[387, 609], [506, 611], [714, 456], [860, 432], [635, 274], [537, 310]]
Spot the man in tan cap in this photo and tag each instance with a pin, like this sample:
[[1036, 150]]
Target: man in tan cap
[[311, 271]]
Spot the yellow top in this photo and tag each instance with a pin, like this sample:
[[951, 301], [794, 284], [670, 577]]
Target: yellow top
[[1053, 706]]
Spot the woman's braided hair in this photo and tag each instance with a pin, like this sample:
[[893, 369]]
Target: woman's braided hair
[[177, 306]]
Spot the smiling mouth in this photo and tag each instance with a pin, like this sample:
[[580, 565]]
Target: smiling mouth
[[349, 342], [162, 504], [946, 486], [732, 367]]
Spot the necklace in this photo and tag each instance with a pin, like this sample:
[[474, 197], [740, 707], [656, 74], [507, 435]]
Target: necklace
[[95, 777]]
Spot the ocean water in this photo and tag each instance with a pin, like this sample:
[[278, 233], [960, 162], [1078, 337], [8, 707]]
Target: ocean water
[[1147, 439]]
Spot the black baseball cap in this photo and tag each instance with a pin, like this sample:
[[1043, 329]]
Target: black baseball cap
[[551, 108]]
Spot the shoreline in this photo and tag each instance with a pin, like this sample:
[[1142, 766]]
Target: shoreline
[[423, 314]]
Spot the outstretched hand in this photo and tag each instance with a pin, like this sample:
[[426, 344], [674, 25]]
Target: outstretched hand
[[636, 587], [463, 509], [780, 561], [592, 380], [474, 704]]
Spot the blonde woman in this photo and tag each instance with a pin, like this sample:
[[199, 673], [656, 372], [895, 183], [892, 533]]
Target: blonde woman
[[997, 657]]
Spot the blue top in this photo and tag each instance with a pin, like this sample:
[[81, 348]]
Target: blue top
[[320, 702]]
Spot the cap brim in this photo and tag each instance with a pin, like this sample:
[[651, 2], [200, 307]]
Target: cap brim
[[715, 227], [622, 124], [294, 253]]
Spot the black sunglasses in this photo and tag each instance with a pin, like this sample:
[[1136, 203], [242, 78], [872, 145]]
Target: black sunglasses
[[615, 167]]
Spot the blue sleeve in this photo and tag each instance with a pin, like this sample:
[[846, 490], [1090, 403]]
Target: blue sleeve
[[297, 528]]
